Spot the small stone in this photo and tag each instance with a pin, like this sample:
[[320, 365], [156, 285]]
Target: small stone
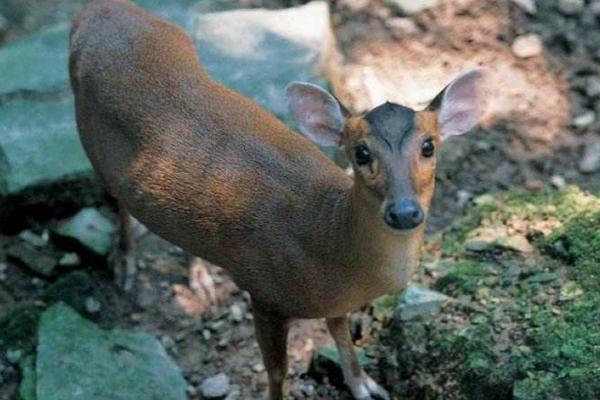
[[215, 387], [3, 267], [32, 238], [90, 229], [401, 27], [463, 197], [543, 277], [411, 7], [308, 390], [590, 162], [206, 334], [92, 305], [3, 23], [527, 46], [534, 184], [584, 120], [237, 313], [592, 87], [69, 260], [33, 258], [258, 368], [418, 301], [527, 5], [517, 243], [557, 181], [571, 7], [14, 356]]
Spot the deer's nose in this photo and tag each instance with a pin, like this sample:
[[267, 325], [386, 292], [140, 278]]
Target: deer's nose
[[404, 214]]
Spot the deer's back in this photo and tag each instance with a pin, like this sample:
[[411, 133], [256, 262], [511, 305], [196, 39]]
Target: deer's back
[[200, 165]]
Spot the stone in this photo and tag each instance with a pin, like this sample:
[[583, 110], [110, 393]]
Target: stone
[[27, 386], [90, 229], [418, 301], [32, 134], [557, 181], [402, 26], [36, 260], [215, 387], [543, 277], [592, 87], [516, 242], [32, 238], [42, 62], [69, 260], [411, 7], [78, 360], [590, 162], [259, 52], [584, 120], [527, 5], [526, 46], [571, 7], [92, 306]]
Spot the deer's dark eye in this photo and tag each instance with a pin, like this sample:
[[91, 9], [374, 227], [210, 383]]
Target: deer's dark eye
[[362, 154], [428, 148]]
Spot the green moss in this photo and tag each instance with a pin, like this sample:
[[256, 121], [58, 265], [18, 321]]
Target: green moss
[[526, 325], [18, 328]]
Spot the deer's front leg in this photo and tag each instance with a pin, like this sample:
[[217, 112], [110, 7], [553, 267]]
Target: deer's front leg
[[362, 386], [124, 260], [271, 335]]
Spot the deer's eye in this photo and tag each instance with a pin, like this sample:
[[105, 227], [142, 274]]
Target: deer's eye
[[362, 154], [428, 148]]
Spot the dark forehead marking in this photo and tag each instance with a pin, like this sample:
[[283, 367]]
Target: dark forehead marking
[[391, 122]]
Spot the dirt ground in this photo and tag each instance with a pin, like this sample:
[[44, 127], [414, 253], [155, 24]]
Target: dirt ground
[[527, 140]]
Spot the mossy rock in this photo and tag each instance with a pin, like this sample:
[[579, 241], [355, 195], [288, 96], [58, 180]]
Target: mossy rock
[[526, 325]]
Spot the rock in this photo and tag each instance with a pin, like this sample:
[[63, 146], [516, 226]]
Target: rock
[[78, 360], [92, 306], [258, 368], [590, 162], [32, 238], [557, 181], [592, 87], [517, 243], [543, 277], [418, 301], [90, 229], [527, 5], [3, 24], [215, 387], [584, 120], [237, 312], [69, 260], [42, 64], [411, 7], [32, 134], [401, 27], [527, 46], [259, 52], [38, 261], [27, 386], [571, 7]]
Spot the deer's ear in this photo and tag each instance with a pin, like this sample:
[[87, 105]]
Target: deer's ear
[[319, 116], [461, 104]]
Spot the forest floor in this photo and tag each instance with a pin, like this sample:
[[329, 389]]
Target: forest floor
[[533, 138]]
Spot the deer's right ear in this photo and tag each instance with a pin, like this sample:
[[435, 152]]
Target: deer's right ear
[[318, 114]]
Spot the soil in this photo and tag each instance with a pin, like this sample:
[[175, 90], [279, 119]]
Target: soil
[[526, 140]]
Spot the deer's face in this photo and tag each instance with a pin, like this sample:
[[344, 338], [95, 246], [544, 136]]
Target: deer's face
[[393, 149]]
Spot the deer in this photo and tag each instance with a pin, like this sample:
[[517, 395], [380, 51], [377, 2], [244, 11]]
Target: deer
[[216, 174]]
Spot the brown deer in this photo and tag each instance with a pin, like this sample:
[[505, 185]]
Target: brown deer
[[216, 174]]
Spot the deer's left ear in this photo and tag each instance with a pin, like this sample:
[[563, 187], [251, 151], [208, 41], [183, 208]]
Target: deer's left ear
[[460, 104]]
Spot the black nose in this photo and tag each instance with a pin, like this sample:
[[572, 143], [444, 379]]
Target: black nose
[[404, 214]]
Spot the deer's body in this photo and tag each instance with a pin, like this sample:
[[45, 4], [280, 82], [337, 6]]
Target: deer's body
[[216, 174]]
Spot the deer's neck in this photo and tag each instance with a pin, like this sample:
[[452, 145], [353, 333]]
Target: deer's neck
[[379, 257]]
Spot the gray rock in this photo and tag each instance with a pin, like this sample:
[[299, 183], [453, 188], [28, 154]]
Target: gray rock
[[584, 120], [33, 258], [78, 360], [590, 162], [89, 228], [215, 387], [69, 260], [418, 301], [592, 87], [37, 62], [571, 7], [32, 238], [259, 52], [401, 27], [38, 145], [410, 7], [527, 5], [527, 46]]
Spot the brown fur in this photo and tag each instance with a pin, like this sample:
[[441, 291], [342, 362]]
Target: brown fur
[[215, 173]]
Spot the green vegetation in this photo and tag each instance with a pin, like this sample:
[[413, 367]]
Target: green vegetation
[[525, 322]]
